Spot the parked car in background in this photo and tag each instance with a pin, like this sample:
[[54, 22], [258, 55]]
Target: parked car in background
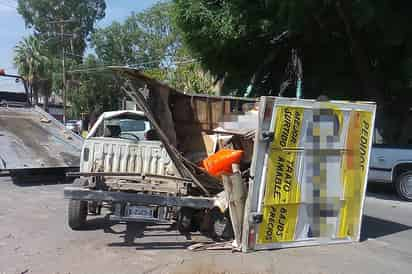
[[73, 125], [392, 164]]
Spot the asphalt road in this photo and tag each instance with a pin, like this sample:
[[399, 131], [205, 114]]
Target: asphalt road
[[34, 238]]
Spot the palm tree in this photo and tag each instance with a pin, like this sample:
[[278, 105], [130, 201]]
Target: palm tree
[[34, 65]]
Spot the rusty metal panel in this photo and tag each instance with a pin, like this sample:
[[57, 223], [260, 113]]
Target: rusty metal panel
[[30, 139]]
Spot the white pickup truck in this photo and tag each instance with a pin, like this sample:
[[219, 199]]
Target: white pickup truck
[[125, 168], [118, 157], [390, 164]]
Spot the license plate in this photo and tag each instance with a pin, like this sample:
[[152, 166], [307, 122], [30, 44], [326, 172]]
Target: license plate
[[140, 211]]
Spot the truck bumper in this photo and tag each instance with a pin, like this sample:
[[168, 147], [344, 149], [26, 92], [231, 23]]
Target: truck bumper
[[380, 175], [79, 193]]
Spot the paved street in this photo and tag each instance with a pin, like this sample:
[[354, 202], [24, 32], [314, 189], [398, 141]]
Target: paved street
[[34, 238]]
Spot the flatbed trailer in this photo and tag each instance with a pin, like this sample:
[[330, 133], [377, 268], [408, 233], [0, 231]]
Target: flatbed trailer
[[33, 142]]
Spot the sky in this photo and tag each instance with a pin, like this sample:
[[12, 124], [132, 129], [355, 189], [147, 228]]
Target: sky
[[12, 29]]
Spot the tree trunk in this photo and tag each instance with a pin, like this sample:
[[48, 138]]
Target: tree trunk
[[31, 94], [46, 102], [46, 90], [36, 96], [92, 119]]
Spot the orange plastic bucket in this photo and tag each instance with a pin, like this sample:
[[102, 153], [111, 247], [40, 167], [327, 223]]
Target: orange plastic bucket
[[221, 161]]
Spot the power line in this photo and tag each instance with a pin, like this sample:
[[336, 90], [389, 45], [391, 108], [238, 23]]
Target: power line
[[143, 63], [136, 66], [159, 61], [84, 68]]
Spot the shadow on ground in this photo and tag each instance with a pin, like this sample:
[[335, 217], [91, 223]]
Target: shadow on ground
[[30, 181], [101, 223], [156, 245], [39, 176], [372, 227], [381, 191], [375, 227], [130, 235]]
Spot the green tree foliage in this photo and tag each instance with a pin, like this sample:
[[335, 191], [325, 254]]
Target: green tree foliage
[[188, 77], [146, 39], [225, 36], [349, 49], [94, 91], [150, 41], [34, 63], [191, 78], [348, 39], [56, 25], [46, 16]]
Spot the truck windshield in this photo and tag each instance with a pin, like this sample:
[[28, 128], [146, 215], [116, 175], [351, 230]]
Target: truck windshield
[[125, 128], [132, 125]]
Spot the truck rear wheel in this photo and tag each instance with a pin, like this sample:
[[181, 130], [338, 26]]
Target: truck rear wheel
[[184, 220], [221, 226], [77, 214], [403, 186]]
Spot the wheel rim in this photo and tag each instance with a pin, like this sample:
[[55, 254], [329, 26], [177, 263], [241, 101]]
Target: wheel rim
[[406, 186]]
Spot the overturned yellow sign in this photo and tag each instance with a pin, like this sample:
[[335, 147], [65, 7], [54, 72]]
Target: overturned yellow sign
[[312, 185], [282, 196]]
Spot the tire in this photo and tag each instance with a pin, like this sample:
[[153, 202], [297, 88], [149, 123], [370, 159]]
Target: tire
[[403, 186], [94, 208], [77, 210], [184, 220], [77, 214], [221, 226]]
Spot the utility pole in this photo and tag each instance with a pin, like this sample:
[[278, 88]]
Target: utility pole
[[63, 75], [62, 34]]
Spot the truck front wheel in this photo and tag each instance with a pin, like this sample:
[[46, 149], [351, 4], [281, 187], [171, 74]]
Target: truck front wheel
[[403, 186], [77, 214], [77, 211]]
